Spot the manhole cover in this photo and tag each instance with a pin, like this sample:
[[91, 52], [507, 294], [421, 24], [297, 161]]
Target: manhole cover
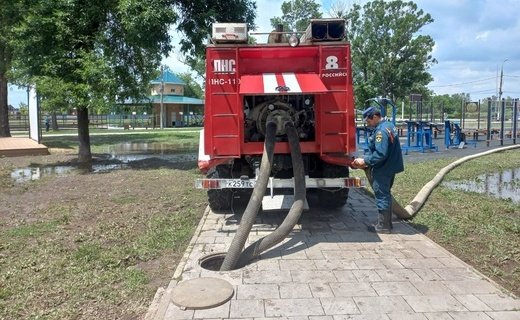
[[202, 293]]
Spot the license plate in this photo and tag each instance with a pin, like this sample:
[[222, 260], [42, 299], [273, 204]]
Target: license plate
[[240, 184]]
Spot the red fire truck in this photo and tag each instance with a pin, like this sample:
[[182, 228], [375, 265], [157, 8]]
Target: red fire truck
[[306, 79]]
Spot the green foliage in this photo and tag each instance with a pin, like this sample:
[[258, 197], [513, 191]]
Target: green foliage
[[296, 14], [196, 18], [192, 88], [389, 57]]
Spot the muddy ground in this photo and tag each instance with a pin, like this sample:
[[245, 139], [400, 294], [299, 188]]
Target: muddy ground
[[92, 246]]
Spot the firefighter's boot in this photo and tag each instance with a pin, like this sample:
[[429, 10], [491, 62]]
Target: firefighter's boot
[[384, 222]]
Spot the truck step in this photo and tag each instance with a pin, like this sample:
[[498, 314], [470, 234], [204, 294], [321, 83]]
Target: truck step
[[280, 202]]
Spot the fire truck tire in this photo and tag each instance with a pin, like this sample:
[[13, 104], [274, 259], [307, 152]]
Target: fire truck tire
[[333, 198], [219, 199]]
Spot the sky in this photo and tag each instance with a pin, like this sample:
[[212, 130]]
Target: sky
[[474, 41]]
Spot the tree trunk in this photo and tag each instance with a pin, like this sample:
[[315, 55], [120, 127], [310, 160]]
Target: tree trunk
[[84, 154], [4, 108], [54, 122]]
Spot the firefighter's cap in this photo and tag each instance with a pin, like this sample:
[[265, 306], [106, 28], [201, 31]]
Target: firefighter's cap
[[370, 111]]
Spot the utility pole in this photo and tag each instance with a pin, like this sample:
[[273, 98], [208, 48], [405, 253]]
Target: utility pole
[[162, 98], [500, 87]]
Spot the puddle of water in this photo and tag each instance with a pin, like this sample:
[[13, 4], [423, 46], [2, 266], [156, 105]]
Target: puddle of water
[[124, 154], [504, 185], [151, 148], [36, 173]]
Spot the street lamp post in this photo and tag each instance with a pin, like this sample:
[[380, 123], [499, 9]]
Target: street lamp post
[[500, 86], [161, 119]]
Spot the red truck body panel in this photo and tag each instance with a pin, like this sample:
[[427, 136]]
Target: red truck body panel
[[235, 71]]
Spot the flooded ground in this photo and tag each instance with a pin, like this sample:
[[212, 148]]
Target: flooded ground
[[504, 185], [121, 156]]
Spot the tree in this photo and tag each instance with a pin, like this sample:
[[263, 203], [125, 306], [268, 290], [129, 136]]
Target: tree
[[10, 13], [192, 88], [197, 16], [100, 52], [296, 14], [389, 57]]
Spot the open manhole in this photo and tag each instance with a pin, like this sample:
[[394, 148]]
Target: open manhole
[[213, 261]]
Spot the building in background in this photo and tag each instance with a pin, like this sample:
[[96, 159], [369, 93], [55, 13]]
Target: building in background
[[177, 110]]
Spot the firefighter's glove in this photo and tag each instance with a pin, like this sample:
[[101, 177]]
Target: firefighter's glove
[[358, 163]]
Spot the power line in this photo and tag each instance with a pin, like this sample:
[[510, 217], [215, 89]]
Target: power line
[[462, 83]]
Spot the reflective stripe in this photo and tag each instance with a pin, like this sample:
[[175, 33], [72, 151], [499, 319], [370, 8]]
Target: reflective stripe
[[292, 82], [270, 83]]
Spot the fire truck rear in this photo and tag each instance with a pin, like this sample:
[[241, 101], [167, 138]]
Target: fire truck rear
[[305, 81]]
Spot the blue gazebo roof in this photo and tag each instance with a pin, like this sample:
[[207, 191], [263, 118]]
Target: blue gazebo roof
[[176, 99], [168, 77]]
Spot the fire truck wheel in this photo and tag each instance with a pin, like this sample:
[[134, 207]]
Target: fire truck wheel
[[333, 198], [219, 199]]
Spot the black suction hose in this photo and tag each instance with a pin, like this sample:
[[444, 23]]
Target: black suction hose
[[249, 215], [296, 210]]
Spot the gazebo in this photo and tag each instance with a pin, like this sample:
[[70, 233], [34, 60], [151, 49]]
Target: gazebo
[[170, 105]]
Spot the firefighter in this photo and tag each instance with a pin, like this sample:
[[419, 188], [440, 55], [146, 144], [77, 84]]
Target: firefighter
[[384, 160]]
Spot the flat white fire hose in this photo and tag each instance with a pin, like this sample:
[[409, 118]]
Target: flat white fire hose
[[411, 209]]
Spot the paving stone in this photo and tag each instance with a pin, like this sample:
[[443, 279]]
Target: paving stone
[[339, 306], [504, 315], [398, 288], [258, 291], [341, 254], [246, 308], [451, 262], [345, 276], [387, 304], [378, 264], [411, 253], [275, 276], [366, 275], [437, 303], [465, 315], [470, 287], [321, 318], [406, 316], [293, 254], [174, 312], [472, 303], [429, 288], [331, 265], [314, 254], [500, 302], [292, 307], [427, 274], [420, 263], [321, 290], [297, 265], [217, 312], [398, 275], [438, 316], [267, 264], [312, 276], [352, 289], [362, 317], [456, 274], [295, 290]]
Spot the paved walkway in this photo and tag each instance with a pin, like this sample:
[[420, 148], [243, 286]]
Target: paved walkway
[[331, 268]]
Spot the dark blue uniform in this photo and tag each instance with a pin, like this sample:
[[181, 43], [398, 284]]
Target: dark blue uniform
[[385, 161]]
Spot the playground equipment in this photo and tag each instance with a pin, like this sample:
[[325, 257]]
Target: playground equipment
[[454, 137], [419, 136]]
